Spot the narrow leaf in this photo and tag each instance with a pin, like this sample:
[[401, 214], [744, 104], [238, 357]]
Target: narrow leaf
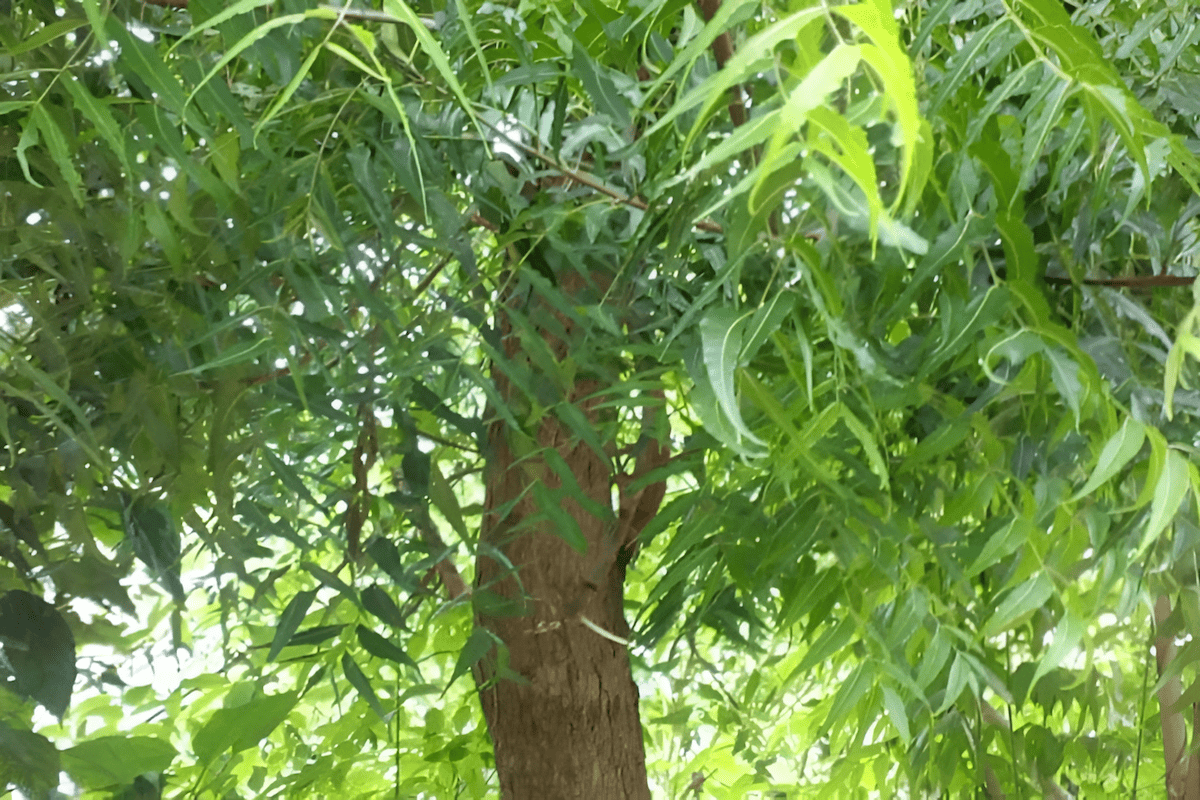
[[1117, 452], [289, 621], [359, 681]]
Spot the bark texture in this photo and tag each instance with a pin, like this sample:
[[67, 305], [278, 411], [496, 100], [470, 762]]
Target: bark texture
[[567, 726]]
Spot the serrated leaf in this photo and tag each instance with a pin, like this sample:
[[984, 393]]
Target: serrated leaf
[[766, 321]]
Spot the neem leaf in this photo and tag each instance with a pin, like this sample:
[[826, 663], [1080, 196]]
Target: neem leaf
[[1117, 452], [38, 649]]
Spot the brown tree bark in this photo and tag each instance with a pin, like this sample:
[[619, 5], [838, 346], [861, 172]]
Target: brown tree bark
[[566, 725], [1174, 730]]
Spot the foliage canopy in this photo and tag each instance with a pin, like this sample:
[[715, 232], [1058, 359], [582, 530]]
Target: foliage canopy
[[902, 285]]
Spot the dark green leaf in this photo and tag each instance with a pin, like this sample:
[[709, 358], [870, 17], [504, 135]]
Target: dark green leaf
[[376, 645], [38, 649], [291, 619], [360, 682]]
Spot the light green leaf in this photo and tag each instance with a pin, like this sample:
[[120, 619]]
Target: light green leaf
[[1121, 447], [1067, 634], [236, 729], [478, 645], [115, 760], [1171, 488], [721, 332], [957, 680], [894, 707], [1019, 603]]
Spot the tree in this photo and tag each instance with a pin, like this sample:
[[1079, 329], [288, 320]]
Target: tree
[[841, 349]]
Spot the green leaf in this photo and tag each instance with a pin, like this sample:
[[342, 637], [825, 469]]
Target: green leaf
[[47, 33], [30, 762], [329, 579], [1067, 635], [38, 649], [1169, 492], [361, 684], [956, 681], [289, 622], [766, 321], [116, 760], [242, 727], [1118, 451], [896, 713], [377, 645], [1019, 603], [60, 149], [478, 645], [151, 531], [562, 523], [832, 641], [600, 85], [376, 600], [721, 335]]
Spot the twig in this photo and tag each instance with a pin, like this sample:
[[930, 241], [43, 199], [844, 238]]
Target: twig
[[592, 182], [1131, 282]]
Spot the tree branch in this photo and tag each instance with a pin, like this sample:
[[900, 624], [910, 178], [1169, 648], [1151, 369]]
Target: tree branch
[[1131, 282], [722, 49]]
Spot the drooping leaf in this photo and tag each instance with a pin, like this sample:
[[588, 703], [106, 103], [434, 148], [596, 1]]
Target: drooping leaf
[[155, 540], [290, 621], [362, 684]]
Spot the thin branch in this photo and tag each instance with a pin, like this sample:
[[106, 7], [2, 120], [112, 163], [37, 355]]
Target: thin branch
[[592, 182], [1131, 282], [722, 49], [455, 587]]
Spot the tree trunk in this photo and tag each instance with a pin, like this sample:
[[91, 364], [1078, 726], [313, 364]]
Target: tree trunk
[[566, 724], [1173, 728]]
